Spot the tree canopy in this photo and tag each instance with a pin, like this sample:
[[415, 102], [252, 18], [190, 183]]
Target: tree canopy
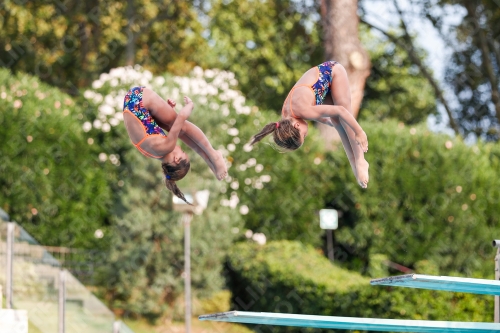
[[68, 44]]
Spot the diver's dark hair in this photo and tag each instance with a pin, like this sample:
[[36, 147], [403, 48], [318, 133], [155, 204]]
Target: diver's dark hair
[[284, 134], [174, 172]]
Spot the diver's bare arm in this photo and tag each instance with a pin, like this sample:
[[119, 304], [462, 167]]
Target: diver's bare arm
[[176, 128], [320, 111], [201, 146]]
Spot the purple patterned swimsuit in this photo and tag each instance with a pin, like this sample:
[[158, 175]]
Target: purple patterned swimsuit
[[133, 103]]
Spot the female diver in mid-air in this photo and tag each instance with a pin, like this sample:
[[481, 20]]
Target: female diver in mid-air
[[146, 115], [322, 94]]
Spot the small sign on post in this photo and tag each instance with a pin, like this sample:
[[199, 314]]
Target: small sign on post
[[329, 220]]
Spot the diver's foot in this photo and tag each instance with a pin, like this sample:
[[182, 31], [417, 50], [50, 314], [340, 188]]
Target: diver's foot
[[362, 173], [219, 165]]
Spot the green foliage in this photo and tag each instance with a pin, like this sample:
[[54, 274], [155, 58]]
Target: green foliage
[[424, 201], [290, 277], [377, 266], [69, 43], [426, 267], [219, 302], [50, 179], [282, 191], [430, 197], [267, 44], [395, 88]]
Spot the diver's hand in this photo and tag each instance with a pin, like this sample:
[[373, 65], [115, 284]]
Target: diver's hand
[[326, 121], [362, 140]]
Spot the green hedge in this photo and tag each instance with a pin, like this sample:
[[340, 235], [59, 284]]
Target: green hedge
[[51, 180], [430, 197], [289, 277]]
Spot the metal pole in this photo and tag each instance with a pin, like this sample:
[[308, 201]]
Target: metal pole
[[9, 270], [329, 244], [497, 277], [62, 301], [187, 268]]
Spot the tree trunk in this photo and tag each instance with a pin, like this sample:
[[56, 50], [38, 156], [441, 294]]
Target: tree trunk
[[482, 43], [341, 41], [130, 49]]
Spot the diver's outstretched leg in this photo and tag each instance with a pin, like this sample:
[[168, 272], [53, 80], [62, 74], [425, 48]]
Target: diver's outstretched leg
[[341, 95]]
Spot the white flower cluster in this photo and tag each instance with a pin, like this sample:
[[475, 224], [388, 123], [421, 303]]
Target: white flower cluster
[[232, 202], [256, 182], [199, 85], [257, 237]]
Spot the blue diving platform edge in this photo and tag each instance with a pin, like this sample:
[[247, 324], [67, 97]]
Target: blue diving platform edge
[[448, 283], [351, 323]]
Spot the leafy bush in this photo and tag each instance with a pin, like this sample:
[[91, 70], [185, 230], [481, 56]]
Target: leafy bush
[[430, 197], [268, 51], [427, 198], [50, 178], [280, 194], [219, 302], [290, 277]]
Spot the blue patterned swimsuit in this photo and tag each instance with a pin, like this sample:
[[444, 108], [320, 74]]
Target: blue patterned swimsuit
[[322, 87], [133, 104]]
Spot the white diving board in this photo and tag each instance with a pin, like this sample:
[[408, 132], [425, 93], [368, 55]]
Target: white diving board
[[448, 283], [351, 323]]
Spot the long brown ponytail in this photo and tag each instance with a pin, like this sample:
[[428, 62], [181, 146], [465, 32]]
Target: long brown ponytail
[[284, 134], [172, 174]]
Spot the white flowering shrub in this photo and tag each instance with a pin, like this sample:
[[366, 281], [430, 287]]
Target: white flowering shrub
[[211, 90], [219, 109]]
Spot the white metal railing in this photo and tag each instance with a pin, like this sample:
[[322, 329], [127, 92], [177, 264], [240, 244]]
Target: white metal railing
[[54, 299]]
